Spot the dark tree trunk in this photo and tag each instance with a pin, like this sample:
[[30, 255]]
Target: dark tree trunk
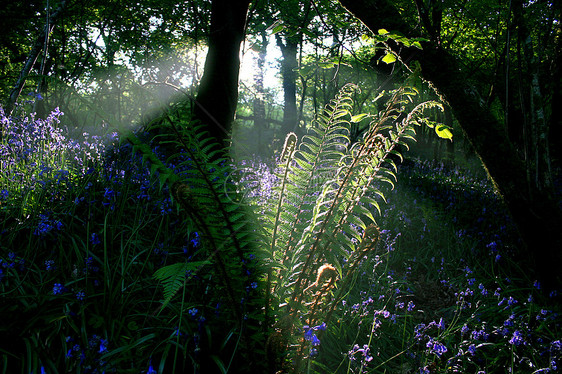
[[556, 91], [259, 102], [217, 97], [537, 216], [32, 57], [289, 63]]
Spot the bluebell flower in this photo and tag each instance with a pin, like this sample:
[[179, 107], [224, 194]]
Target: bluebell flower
[[49, 265], [411, 306], [103, 346], [94, 239], [308, 332], [315, 341], [436, 348], [365, 352], [385, 313], [195, 241], [483, 289], [517, 338], [58, 289], [376, 324], [193, 312], [321, 327]]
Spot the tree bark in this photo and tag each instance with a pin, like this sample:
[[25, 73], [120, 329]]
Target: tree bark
[[288, 65], [259, 101], [537, 216], [32, 58], [217, 97]]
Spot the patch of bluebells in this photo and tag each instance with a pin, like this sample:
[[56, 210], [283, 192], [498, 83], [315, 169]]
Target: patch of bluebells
[[256, 180], [486, 317], [87, 355], [99, 190], [384, 304], [37, 153], [47, 225], [11, 263]]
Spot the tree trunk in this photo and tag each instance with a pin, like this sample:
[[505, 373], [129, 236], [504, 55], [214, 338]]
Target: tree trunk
[[537, 216], [288, 65], [259, 101], [32, 58], [217, 97]]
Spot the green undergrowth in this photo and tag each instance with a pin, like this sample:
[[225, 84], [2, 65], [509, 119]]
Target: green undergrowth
[[444, 293]]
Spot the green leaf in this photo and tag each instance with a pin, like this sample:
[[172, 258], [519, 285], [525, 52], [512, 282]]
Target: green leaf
[[389, 58], [358, 117], [219, 363], [172, 277], [340, 113], [277, 29], [444, 132], [366, 38], [383, 32]]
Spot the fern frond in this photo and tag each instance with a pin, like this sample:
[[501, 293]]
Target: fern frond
[[329, 197], [173, 277], [197, 177]]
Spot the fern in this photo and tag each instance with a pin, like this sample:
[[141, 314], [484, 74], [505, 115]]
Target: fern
[[323, 214], [320, 224], [173, 277], [198, 185]]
